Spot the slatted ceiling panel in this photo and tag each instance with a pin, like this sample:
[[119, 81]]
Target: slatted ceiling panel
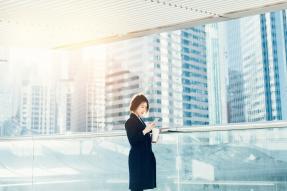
[[184, 5], [223, 7], [54, 23], [117, 21], [121, 15]]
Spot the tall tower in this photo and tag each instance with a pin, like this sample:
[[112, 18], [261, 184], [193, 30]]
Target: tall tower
[[64, 93], [38, 109], [86, 70], [125, 76], [216, 74], [194, 76], [233, 61], [170, 68], [264, 66]]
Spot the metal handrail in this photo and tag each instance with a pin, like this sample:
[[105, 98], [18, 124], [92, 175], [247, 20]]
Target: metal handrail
[[120, 133]]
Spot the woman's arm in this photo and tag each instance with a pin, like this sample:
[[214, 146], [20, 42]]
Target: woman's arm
[[135, 134]]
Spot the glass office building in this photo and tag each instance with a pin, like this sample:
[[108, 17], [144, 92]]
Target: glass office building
[[194, 77], [216, 74], [257, 67], [170, 68]]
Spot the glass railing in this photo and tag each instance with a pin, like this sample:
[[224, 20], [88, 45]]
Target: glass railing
[[219, 158]]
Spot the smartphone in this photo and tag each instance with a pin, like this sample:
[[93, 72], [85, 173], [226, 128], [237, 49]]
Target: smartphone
[[157, 119]]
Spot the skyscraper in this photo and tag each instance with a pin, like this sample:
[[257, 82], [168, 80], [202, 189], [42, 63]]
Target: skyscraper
[[194, 76], [170, 68], [64, 93], [9, 95], [264, 66], [233, 60], [169, 85], [87, 71], [125, 76], [260, 76], [216, 74], [38, 108], [5, 89]]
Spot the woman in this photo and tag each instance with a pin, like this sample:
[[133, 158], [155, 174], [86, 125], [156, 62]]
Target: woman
[[142, 164]]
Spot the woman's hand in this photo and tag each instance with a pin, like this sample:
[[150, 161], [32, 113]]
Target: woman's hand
[[148, 128]]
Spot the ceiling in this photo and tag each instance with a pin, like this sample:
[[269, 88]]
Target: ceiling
[[75, 23]]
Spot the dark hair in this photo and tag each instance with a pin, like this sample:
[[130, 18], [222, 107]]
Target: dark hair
[[137, 100]]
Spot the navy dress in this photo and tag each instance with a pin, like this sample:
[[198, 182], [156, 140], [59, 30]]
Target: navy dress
[[142, 164]]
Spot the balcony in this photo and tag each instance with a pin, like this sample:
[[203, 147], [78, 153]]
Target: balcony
[[72, 66], [233, 157]]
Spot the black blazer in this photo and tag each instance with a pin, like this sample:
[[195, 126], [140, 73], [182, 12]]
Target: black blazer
[[142, 163]]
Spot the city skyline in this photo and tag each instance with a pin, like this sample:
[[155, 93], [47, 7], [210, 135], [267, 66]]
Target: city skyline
[[198, 76]]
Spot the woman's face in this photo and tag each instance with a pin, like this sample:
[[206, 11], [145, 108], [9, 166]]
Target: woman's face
[[142, 109]]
